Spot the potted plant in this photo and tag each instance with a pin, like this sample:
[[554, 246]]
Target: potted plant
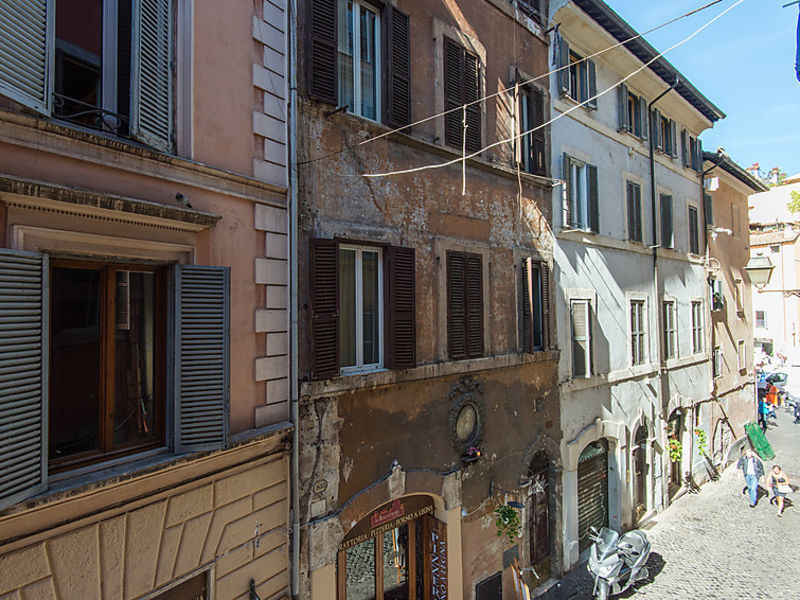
[[675, 450], [507, 521]]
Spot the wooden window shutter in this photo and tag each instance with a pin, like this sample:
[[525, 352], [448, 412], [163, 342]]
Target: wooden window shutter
[[24, 360], [152, 73], [666, 221], [644, 117], [592, 71], [594, 203], [324, 309], [453, 86], [708, 210], [26, 37], [398, 67], [699, 158], [684, 149], [471, 93], [580, 337], [631, 216], [658, 139], [202, 357], [622, 108], [563, 65], [673, 144], [401, 311], [322, 62], [545, 271], [474, 281], [537, 119], [565, 173], [526, 305], [456, 306]]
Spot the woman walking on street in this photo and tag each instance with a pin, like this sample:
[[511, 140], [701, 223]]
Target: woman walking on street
[[779, 483]]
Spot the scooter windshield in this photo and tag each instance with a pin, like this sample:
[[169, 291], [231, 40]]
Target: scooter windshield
[[606, 542]]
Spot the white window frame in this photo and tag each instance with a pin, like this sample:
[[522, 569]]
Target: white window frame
[[641, 332], [357, 108], [763, 319], [716, 362], [669, 306], [578, 195], [697, 337], [360, 367], [588, 357]]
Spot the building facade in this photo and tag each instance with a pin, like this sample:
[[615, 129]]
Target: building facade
[[734, 406], [630, 271], [143, 276], [429, 358]]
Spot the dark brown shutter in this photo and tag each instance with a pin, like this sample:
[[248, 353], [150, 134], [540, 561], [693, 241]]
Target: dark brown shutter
[[622, 108], [545, 270], [471, 94], [325, 309], [526, 308], [401, 309], [592, 74], [322, 50], [474, 283], [398, 67], [536, 119], [453, 86], [563, 65], [456, 306], [684, 149], [594, 207]]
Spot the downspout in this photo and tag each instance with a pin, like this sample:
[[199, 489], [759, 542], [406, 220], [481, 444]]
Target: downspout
[[657, 301], [293, 307]]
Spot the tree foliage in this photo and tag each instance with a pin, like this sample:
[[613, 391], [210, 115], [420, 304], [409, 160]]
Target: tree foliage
[[794, 203]]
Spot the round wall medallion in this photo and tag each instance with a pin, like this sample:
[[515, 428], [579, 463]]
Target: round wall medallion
[[466, 415]]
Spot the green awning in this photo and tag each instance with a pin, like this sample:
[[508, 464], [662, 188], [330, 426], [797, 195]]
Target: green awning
[[759, 441]]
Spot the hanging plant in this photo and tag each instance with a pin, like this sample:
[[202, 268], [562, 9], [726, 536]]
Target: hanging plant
[[702, 442], [675, 450], [507, 521]]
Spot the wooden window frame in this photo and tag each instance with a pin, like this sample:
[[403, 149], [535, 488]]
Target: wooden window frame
[[379, 59], [634, 211], [467, 307], [638, 330], [107, 368], [474, 107], [693, 229], [669, 306], [697, 326]]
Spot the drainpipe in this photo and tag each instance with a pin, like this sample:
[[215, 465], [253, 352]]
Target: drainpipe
[[657, 304], [293, 307]]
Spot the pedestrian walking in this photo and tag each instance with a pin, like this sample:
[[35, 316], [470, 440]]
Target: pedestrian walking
[[753, 470], [763, 411], [779, 483]]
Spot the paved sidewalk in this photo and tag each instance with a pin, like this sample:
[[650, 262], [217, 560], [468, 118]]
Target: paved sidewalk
[[712, 545]]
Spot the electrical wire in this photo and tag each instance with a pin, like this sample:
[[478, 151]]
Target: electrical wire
[[563, 114], [506, 90]]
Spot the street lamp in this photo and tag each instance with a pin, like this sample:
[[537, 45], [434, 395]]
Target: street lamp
[[759, 268]]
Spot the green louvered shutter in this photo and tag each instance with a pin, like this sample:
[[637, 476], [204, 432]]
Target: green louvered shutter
[[202, 357], [23, 375], [151, 78], [26, 50]]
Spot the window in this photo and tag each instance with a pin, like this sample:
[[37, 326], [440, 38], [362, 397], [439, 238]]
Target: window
[[359, 67], [634, 193], [582, 209], [632, 112], [664, 133], [464, 305], [761, 319], [775, 249], [738, 293], [360, 308], [670, 342], [741, 355], [716, 291], [577, 76], [694, 158], [697, 327], [694, 239], [95, 383], [638, 340], [107, 323], [716, 362], [666, 221], [532, 147], [532, 9], [359, 57], [362, 300], [461, 86], [580, 316], [535, 313], [111, 63]]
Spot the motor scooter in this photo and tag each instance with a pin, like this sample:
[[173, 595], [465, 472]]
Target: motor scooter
[[617, 562]]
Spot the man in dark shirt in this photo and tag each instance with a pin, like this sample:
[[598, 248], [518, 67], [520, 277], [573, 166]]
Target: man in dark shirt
[[753, 470]]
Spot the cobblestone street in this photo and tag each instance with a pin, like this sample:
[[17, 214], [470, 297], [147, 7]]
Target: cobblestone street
[[711, 545]]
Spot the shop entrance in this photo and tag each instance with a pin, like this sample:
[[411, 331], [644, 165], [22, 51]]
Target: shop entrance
[[398, 552], [592, 491], [640, 473], [539, 474]]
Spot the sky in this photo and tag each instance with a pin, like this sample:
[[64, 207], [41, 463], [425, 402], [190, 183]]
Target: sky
[[744, 64]]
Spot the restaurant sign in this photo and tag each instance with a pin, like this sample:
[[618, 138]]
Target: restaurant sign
[[387, 517]]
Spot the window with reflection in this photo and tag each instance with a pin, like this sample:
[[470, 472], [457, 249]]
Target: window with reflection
[[360, 308]]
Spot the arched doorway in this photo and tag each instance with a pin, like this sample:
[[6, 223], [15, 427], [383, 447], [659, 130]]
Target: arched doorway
[[592, 490], [640, 472], [674, 426], [540, 523], [397, 552]]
